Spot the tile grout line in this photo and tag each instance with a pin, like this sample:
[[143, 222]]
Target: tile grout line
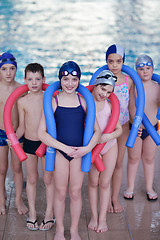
[[128, 225]]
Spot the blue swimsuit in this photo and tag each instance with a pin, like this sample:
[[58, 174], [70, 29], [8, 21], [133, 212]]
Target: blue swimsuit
[[70, 125]]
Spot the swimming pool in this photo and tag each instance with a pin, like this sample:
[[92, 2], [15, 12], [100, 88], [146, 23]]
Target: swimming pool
[[52, 32]]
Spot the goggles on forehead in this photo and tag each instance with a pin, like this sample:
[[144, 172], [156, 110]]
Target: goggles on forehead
[[73, 73], [7, 59], [107, 76], [140, 65]]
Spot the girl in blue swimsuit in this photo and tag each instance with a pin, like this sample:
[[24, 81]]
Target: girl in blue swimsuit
[[69, 110]]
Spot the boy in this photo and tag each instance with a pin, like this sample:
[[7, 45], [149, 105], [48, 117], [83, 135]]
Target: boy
[[144, 147], [29, 108], [8, 68]]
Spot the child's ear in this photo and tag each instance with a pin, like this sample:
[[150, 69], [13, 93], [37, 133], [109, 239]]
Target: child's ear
[[44, 79]]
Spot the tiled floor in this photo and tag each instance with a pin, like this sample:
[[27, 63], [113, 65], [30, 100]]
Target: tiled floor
[[140, 220]]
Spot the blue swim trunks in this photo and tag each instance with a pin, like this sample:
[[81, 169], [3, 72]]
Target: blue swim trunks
[[3, 138]]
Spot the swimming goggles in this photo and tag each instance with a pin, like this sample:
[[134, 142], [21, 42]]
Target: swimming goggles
[[108, 76], [73, 73], [140, 65], [7, 59]]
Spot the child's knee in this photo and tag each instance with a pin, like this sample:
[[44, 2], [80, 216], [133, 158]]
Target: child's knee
[[32, 179], [75, 194], [104, 185]]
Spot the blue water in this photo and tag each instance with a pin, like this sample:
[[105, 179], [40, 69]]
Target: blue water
[[52, 31]]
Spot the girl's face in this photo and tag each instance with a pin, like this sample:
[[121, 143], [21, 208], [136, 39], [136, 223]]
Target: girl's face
[[145, 73], [115, 63], [8, 72], [34, 81], [102, 92], [69, 83]]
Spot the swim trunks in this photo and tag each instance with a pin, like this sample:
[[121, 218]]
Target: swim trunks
[[144, 131], [30, 146], [103, 118], [122, 92], [70, 125], [3, 138]]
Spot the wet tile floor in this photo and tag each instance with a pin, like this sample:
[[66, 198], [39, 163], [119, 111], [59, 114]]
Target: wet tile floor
[[140, 220]]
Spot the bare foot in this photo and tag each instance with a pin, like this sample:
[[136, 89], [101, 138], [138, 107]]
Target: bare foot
[[102, 227], [110, 208], [47, 224], [75, 236], [117, 207], [93, 224], [59, 236], [2, 209], [21, 207], [32, 224], [2, 206]]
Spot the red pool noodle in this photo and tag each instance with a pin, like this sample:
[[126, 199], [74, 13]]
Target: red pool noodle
[[8, 122], [109, 128]]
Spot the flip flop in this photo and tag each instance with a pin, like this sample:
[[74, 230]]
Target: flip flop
[[44, 223], [33, 223], [151, 195], [128, 194]]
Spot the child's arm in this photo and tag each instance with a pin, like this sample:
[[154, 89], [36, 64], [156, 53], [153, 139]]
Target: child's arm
[[132, 107], [21, 112], [81, 151], [115, 134]]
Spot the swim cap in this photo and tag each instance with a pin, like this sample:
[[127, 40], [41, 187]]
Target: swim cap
[[115, 49], [69, 67], [143, 60], [7, 58], [107, 77]]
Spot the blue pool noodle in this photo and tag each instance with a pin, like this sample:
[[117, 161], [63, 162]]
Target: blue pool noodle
[[140, 100], [156, 78], [51, 125]]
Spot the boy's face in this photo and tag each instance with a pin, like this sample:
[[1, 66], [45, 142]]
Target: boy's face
[[7, 73], [145, 73], [34, 81], [115, 63], [102, 92]]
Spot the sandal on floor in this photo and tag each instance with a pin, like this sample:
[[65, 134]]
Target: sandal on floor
[[128, 194], [34, 224], [44, 223], [149, 195]]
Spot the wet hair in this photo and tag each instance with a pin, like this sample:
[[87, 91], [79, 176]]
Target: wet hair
[[34, 67]]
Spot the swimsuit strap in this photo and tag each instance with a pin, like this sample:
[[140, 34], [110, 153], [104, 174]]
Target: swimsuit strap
[[56, 99], [80, 102]]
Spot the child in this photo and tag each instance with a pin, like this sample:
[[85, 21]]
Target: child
[[124, 90], [70, 111], [144, 147], [104, 86], [8, 68], [30, 108]]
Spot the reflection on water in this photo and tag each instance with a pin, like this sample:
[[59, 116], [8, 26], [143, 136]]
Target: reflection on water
[[51, 32]]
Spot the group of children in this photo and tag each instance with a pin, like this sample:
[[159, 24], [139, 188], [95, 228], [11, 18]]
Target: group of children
[[70, 110]]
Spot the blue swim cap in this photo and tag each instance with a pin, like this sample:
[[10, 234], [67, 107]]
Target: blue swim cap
[[115, 49], [69, 67], [7, 58]]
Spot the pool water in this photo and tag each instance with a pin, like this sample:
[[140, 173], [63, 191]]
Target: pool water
[[51, 32]]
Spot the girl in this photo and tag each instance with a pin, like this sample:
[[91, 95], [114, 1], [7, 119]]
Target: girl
[[124, 90], [104, 86], [69, 110]]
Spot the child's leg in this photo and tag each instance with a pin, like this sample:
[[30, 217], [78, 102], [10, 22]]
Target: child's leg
[[61, 178], [32, 177], [75, 186], [3, 172], [148, 154], [109, 160], [49, 184], [93, 182], [134, 156], [118, 172], [16, 166]]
